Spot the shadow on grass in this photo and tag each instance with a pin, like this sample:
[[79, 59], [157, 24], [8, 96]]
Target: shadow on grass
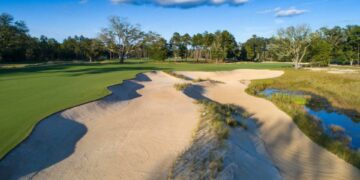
[[74, 71], [80, 69], [87, 71]]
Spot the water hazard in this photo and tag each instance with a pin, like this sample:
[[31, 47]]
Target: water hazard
[[333, 122]]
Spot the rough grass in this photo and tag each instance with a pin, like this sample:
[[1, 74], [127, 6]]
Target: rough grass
[[180, 76], [181, 86], [338, 89], [29, 94], [221, 117]]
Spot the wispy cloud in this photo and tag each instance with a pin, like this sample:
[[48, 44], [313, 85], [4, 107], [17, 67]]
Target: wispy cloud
[[279, 12], [289, 12], [83, 1], [182, 3]]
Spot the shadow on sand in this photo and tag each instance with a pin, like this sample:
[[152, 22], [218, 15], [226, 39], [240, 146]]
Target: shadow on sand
[[54, 138], [308, 162]]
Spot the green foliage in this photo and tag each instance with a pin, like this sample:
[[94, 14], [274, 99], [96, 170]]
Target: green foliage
[[345, 43], [320, 52], [158, 50], [254, 49], [13, 38], [17, 45]]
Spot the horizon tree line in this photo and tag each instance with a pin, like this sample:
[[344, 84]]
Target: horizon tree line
[[123, 40]]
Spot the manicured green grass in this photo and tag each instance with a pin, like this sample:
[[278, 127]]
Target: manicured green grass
[[342, 90], [29, 94]]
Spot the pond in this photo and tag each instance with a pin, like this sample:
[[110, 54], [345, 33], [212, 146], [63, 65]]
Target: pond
[[334, 123]]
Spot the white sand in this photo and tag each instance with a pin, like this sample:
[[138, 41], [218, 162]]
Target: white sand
[[136, 133], [295, 155]]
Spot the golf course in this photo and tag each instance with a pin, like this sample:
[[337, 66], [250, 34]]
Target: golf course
[[33, 93], [62, 127], [179, 90]]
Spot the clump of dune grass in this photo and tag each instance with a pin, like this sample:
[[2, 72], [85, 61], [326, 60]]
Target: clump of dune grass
[[207, 79], [181, 86], [204, 159], [221, 117], [180, 76], [200, 80]]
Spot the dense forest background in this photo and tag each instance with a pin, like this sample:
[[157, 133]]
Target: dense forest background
[[337, 45]]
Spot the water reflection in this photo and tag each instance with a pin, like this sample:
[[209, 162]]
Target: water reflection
[[335, 124]]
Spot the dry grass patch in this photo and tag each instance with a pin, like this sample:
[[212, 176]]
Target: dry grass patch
[[182, 86]]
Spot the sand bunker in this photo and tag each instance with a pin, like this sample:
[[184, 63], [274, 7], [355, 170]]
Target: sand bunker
[[135, 133], [139, 130], [294, 154]]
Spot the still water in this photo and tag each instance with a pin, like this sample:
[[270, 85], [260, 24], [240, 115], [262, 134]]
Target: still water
[[327, 118]]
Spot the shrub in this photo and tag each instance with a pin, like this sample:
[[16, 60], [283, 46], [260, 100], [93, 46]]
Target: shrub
[[231, 122]]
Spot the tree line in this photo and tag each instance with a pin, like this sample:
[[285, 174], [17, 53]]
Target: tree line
[[122, 40]]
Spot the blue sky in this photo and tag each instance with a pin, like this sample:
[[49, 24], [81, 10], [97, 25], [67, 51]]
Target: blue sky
[[63, 18]]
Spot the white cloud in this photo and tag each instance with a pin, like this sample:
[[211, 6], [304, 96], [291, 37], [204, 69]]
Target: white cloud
[[279, 12], [289, 12], [182, 3]]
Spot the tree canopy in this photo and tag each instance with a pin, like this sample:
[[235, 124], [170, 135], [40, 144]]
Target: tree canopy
[[122, 40]]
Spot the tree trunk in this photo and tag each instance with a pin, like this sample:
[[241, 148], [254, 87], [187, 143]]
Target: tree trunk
[[197, 55], [122, 58], [358, 55]]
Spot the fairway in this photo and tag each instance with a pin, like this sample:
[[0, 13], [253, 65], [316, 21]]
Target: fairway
[[28, 95]]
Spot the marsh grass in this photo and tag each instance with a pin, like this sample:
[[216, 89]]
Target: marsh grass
[[340, 90]]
